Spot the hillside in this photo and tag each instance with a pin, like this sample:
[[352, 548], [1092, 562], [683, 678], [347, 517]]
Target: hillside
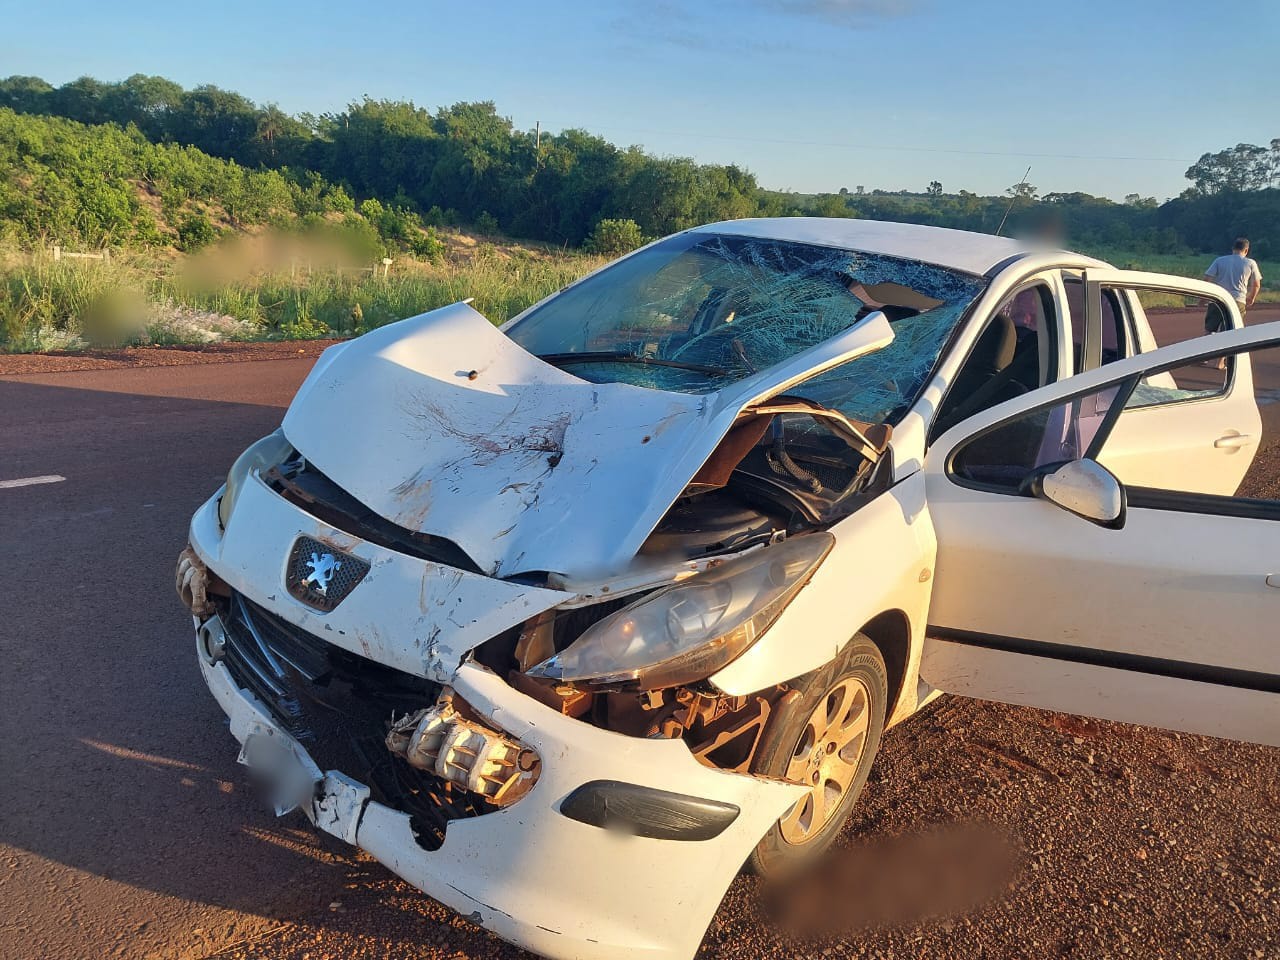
[[229, 220], [467, 164], [82, 186]]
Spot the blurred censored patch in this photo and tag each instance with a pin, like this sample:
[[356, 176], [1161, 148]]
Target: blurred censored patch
[[897, 881]]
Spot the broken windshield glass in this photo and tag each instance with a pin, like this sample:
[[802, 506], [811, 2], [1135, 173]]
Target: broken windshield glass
[[699, 311], [879, 387]]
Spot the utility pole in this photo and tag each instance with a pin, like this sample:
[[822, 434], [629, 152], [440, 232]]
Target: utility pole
[[537, 144]]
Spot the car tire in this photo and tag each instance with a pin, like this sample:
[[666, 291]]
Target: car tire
[[828, 736]]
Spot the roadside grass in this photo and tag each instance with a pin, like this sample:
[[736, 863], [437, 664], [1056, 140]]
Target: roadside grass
[[134, 299], [137, 298]]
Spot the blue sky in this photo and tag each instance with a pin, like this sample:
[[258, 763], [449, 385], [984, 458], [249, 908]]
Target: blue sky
[[1106, 97]]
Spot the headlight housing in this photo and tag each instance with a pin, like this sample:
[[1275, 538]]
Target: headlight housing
[[268, 452], [687, 632]]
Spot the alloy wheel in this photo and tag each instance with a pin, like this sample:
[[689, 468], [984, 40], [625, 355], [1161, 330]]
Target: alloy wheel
[[826, 757]]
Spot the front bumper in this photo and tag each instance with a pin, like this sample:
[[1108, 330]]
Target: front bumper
[[531, 875], [527, 872]]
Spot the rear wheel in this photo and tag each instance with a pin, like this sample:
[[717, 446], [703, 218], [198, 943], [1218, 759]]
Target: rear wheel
[[826, 738]]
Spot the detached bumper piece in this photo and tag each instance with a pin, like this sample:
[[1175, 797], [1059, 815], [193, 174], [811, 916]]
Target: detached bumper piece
[[338, 707], [440, 740], [192, 583], [646, 812]]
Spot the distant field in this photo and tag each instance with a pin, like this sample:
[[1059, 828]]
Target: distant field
[[1187, 265]]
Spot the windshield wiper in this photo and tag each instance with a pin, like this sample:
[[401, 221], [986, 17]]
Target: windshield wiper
[[618, 356]]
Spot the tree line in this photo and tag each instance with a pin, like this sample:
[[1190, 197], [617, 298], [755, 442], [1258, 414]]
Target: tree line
[[460, 164], [466, 164], [64, 182]]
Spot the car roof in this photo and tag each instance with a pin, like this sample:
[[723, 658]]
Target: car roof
[[975, 253]]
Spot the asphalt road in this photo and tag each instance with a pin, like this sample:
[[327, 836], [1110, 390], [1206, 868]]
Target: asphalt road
[[127, 830]]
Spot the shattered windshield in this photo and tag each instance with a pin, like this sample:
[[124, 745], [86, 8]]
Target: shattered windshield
[[880, 387], [699, 311]]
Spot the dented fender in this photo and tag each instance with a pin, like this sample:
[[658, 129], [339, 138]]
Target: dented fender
[[883, 561]]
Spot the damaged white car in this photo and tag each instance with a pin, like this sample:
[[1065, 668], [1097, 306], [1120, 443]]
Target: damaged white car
[[566, 621]]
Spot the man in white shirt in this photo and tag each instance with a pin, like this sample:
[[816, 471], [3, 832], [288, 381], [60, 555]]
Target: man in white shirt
[[1236, 274]]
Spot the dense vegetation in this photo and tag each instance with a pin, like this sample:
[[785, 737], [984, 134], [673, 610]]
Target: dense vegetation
[[88, 186], [1194, 222], [149, 170], [466, 164]]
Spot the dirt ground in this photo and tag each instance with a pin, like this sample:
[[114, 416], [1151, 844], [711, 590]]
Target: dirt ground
[[128, 831], [1097, 840], [124, 358]]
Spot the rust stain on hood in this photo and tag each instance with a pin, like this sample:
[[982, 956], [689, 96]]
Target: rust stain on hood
[[523, 466]]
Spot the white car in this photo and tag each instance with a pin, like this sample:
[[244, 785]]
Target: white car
[[566, 621]]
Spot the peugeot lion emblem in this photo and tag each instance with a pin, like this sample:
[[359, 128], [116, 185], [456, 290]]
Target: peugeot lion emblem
[[323, 567], [320, 575]]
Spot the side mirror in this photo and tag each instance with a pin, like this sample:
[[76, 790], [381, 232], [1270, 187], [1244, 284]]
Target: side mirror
[[1085, 488]]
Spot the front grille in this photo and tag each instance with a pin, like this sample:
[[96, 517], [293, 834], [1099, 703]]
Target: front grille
[[339, 706]]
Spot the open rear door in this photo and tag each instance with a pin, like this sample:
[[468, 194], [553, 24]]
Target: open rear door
[[1162, 612]]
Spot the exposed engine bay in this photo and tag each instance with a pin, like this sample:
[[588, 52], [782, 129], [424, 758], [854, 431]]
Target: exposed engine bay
[[785, 469]]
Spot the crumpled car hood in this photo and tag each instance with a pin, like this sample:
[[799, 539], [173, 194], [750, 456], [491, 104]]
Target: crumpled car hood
[[444, 425]]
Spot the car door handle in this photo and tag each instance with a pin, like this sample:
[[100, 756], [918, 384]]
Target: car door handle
[[1233, 441]]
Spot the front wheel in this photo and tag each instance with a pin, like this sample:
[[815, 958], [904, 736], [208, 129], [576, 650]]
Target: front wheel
[[826, 737]]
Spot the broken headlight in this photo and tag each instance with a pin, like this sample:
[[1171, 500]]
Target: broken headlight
[[685, 633], [268, 452]]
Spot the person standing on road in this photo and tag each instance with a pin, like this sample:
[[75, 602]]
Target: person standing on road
[[1239, 276]]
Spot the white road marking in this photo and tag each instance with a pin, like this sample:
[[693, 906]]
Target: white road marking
[[31, 481]]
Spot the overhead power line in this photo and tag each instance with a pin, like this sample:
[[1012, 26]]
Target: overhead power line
[[886, 147]]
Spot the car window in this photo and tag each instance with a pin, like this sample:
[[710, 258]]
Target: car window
[[1204, 429], [699, 311], [1202, 380], [1173, 317], [1007, 454], [1117, 343], [1169, 316], [1208, 440], [1014, 354]]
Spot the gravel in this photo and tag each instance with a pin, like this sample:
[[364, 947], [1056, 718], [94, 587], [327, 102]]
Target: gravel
[[1121, 841]]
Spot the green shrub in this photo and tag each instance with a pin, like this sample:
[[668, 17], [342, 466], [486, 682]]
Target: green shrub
[[427, 245], [337, 200], [361, 239], [146, 231], [615, 237], [195, 231]]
